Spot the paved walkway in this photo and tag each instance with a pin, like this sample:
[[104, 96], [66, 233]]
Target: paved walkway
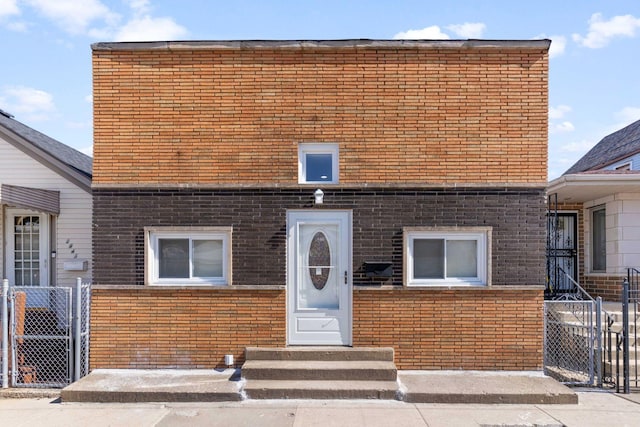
[[594, 409]]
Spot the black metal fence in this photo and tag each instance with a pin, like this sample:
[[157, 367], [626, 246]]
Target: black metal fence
[[630, 344], [591, 343]]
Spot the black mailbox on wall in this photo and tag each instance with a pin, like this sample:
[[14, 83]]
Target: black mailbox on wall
[[378, 269]]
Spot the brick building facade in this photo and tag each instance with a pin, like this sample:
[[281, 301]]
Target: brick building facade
[[429, 237]]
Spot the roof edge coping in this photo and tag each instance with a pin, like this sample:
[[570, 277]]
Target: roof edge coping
[[323, 44]]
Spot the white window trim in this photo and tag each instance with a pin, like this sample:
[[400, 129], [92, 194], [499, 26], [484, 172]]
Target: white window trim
[[481, 234], [317, 148], [152, 234]]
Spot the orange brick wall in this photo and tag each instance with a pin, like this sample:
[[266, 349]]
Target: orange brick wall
[[162, 328], [235, 116], [453, 329], [429, 329]]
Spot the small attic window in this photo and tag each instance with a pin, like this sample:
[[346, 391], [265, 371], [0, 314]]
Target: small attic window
[[317, 163]]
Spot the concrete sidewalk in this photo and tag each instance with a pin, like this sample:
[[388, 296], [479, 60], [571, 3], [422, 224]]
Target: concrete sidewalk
[[594, 409]]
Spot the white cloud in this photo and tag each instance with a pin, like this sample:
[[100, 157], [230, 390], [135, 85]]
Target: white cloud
[[148, 28], [139, 6], [564, 155], [468, 30], [565, 126], [432, 32], [559, 111], [79, 125], [75, 17], [89, 99], [17, 26], [580, 147], [558, 44], [87, 150], [34, 104], [559, 163], [628, 115], [601, 32], [9, 7], [95, 19], [622, 118]]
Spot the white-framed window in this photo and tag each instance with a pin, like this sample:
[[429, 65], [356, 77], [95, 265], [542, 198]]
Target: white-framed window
[[599, 239], [445, 256], [188, 255], [318, 163]]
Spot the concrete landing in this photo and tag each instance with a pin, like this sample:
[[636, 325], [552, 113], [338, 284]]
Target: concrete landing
[[470, 387], [483, 388], [155, 385]]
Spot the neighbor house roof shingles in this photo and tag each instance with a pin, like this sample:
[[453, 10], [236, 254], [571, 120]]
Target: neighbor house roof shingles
[[611, 148]]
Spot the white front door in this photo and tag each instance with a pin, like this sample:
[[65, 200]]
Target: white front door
[[27, 258], [319, 277]]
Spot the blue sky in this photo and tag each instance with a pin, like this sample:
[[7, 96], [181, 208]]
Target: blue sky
[[45, 73]]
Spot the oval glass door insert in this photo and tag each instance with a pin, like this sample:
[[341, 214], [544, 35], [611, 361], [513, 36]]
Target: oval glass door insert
[[319, 260]]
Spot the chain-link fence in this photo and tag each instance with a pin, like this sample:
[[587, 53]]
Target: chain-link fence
[[570, 341], [4, 334], [48, 335], [83, 301]]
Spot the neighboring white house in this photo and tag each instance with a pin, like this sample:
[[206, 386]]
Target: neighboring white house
[[45, 193], [603, 189]]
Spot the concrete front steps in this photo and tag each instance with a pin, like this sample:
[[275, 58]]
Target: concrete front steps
[[320, 373], [317, 373]]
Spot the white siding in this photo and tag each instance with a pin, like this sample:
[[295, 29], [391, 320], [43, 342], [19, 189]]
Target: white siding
[[634, 160], [74, 221], [623, 231], [2, 243], [629, 225]]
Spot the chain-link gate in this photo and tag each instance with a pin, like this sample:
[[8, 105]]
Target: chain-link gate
[[571, 339], [48, 335], [83, 301]]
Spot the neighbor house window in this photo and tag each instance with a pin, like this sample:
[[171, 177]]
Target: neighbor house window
[[598, 240], [446, 256], [188, 256], [317, 163]]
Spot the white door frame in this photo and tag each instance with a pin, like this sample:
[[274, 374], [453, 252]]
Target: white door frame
[[10, 214], [343, 317]]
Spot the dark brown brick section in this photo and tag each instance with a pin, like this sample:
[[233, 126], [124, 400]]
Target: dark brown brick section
[[258, 217], [608, 286]]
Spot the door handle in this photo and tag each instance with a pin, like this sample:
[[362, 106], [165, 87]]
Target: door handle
[[346, 278]]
